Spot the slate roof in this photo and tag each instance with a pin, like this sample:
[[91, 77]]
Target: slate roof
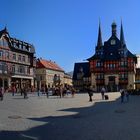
[[86, 69], [111, 52], [11, 40]]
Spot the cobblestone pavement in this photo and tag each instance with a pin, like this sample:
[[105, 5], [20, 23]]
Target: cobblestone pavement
[[54, 118]]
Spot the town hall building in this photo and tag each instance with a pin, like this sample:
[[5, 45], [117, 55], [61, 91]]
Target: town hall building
[[112, 66]]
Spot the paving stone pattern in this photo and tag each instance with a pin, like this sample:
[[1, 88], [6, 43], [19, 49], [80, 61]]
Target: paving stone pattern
[[54, 118]]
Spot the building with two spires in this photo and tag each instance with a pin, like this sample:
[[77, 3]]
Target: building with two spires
[[112, 66]]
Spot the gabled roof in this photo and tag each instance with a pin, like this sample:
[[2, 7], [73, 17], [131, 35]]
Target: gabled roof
[[85, 67], [112, 52], [41, 63], [4, 31], [94, 57], [113, 48]]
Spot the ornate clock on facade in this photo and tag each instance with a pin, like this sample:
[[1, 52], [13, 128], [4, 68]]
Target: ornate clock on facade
[[113, 42]]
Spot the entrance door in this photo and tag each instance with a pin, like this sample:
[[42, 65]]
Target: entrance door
[[111, 84]]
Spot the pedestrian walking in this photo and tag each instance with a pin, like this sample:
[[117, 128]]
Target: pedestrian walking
[[61, 91], [46, 91], [13, 90], [38, 91], [122, 95], [21, 91], [72, 92], [1, 93], [90, 93], [103, 93], [127, 95], [25, 92], [67, 91]]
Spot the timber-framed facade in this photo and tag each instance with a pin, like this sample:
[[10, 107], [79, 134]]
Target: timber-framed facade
[[17, 62]]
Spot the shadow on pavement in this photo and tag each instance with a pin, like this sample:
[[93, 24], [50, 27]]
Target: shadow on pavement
[[106, 120]]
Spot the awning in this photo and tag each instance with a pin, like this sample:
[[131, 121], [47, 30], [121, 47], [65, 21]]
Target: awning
[[22, 77]]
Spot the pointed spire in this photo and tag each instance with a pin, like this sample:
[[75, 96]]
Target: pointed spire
[[122, 40], [99, 42], [5, 29]]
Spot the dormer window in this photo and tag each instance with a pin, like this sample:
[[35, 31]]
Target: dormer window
[[27, 47], [14, 44], [122, 52], [3, 43], [23, 47], [20, 46], [99, 53], [99, 64]]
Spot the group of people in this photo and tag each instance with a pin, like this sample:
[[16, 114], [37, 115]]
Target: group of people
[[62, 91], [90, 93], [23, 91], [124, 95], [58, 91]]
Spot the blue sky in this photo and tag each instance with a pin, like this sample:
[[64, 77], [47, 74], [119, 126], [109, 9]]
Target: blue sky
[[65, 31]]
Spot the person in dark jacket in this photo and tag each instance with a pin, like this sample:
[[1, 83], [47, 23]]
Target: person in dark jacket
[[46, 91], [122, 91], [1, 93], [90, 93]]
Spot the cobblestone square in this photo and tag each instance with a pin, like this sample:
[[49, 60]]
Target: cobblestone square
[[54, 118]]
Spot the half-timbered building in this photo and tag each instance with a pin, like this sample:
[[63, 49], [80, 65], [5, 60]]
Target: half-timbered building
[[112, 66], [17, 62]]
